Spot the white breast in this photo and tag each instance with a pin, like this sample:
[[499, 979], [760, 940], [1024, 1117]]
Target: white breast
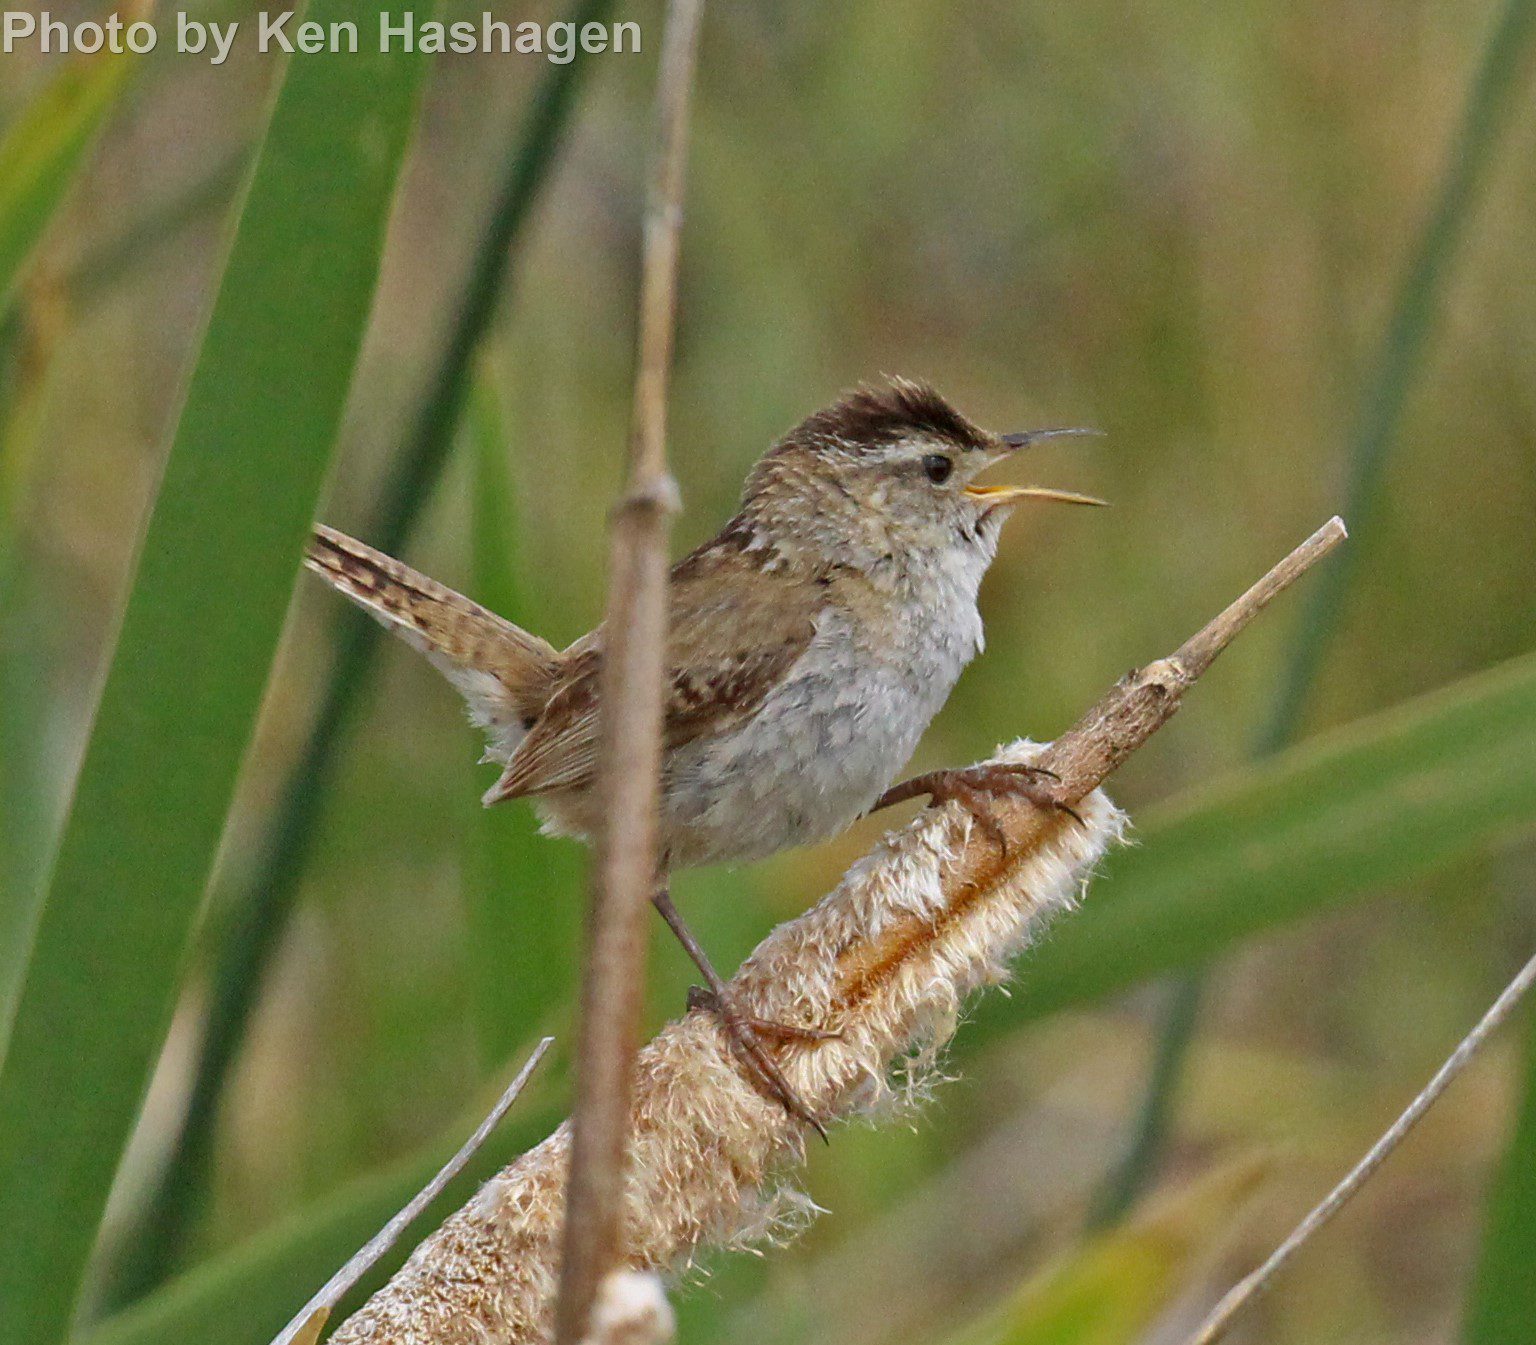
[[835, 733]]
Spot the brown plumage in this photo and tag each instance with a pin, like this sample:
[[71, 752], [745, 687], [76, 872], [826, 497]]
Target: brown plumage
[[732, 634], [504, 673]]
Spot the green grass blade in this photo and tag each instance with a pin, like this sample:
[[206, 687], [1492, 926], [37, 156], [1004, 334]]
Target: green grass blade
[[198, 634], [493, 527], [24, 811], [1415, 311], [28, 810], [523, 935], [1338, 818], [1401, 793], [43, 148], [40, 154], [1176, 1034], [1503, 1301], [262, 911]]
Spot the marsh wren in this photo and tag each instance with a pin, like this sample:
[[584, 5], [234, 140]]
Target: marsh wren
[[810, 644]]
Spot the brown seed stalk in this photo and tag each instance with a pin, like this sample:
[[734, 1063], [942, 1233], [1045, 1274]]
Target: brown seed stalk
[[629, 749]]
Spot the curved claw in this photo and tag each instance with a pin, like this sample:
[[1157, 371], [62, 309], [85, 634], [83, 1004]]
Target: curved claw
[[745, 1033], [972, 787]]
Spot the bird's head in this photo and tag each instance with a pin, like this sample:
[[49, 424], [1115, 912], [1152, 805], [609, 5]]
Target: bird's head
[[891, 468]]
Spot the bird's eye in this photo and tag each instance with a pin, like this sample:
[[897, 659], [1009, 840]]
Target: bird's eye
[[938, 468]]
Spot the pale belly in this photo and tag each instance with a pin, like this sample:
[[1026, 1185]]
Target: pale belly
[[823, 746]]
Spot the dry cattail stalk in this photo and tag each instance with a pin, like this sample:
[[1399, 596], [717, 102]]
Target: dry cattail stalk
[[931, 914], [887, 958], [630, 737]]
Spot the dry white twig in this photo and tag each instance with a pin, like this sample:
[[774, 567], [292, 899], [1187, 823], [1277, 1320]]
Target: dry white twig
[[932, 914], [1245, 1290], [305, 1328], [629, 749]]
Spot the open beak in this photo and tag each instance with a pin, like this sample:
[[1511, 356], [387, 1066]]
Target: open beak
[[1010, 494]]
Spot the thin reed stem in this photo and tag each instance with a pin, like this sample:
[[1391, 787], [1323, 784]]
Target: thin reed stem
[[1216, 1326], [629, 750], [310, 1319]]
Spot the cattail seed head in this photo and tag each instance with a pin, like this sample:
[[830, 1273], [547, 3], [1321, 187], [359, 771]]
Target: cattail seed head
[[887, 959]]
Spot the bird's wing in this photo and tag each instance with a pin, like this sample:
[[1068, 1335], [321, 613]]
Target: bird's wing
[[504, 673], [733, 635]]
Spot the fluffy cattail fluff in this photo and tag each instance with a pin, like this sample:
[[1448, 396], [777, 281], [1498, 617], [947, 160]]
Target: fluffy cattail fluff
[[631, 1309], [887, 959]]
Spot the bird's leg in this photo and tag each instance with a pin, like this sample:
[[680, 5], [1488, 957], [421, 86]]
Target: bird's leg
[[744, 1030], [974, 788]]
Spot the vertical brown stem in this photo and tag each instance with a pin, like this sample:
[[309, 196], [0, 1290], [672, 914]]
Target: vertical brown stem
[[629, 760]]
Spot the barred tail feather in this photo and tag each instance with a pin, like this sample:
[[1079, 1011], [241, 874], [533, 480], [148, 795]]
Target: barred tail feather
[[504, 673]]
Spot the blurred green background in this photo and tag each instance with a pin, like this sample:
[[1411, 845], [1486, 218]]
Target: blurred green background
[[1200, 228]]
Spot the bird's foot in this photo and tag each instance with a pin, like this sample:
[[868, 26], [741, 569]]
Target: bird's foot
[[975, 787], [747, 1033]]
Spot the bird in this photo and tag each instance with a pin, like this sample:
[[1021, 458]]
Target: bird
[[810, 643]]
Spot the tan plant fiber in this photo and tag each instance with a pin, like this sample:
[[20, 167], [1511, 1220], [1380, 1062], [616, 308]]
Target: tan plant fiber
[[708, 1149], [631, 1308]]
